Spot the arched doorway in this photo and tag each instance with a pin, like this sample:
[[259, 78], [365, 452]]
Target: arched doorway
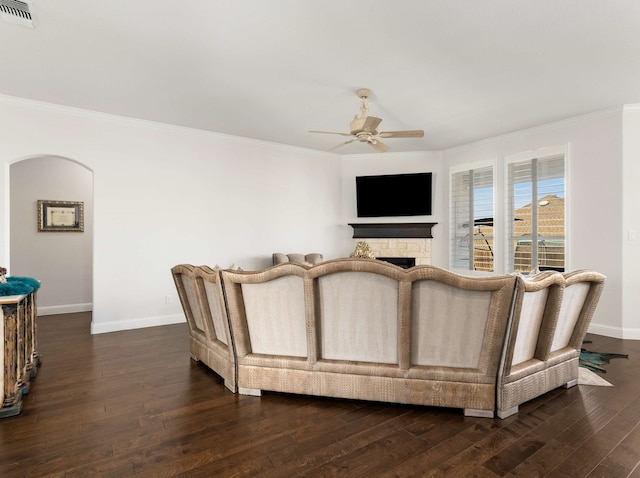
[[61, 260]]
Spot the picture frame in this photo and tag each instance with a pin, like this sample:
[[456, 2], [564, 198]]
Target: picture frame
[[60, 216]]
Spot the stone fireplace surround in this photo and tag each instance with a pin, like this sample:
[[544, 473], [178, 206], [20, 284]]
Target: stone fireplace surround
[[397, 239]]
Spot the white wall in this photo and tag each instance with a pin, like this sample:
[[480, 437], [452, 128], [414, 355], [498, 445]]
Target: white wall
[[631, 221], [594, 200], [62, 261], [396, 163], [166, 195]]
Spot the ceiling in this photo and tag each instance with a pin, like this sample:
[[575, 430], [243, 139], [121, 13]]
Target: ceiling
[[462, 70]]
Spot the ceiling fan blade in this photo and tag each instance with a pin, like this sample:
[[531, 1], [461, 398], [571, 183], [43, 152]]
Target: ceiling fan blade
[[378, 145], [342, 144], [329, 132], [412, 133]]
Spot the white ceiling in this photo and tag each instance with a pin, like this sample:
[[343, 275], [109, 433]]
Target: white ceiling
[[462, 70]]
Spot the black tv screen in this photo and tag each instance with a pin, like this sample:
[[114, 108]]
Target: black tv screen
[[394, 195]]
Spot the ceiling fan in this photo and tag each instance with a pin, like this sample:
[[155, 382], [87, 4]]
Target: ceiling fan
[[364, 128]]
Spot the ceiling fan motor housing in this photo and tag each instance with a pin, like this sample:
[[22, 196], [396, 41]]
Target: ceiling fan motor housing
[[368, 124]]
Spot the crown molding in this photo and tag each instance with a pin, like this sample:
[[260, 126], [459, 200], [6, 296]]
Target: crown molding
[[574, 120], [164, 127]]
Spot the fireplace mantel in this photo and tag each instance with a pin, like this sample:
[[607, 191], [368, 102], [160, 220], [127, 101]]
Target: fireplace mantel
[[392, 230]]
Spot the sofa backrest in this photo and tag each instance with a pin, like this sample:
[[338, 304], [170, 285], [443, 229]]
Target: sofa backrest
[[459, 321], [582, 292], [212, 304], [185, 280], [538, 300], [552, 313], [357, 311], [200, 292], [360, 311], [267, 310]]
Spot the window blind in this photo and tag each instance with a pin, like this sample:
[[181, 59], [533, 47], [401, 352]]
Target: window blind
[[472, 220], [536, 214]]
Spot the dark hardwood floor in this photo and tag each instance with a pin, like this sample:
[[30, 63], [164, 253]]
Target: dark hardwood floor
[[133, 403]]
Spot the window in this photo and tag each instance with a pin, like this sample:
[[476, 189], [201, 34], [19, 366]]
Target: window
[[536, 214], [472, 216]]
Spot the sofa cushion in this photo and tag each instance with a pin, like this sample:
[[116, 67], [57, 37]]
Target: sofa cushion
[[310, 259]]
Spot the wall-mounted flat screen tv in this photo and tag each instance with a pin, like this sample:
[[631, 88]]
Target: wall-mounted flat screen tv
[[394, 195]]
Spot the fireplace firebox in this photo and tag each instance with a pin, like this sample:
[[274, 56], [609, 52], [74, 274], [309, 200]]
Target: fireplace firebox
[[404, 262]]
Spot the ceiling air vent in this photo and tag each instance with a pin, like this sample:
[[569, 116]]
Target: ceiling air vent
[[15, 11]]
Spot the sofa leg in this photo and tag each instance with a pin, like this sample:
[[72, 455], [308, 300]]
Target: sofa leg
[[255, 392], [194, 357], [230, 385], [476, 412], [507, 413], [571, 383]]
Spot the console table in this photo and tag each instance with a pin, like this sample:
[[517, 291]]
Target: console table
[[20, 360]]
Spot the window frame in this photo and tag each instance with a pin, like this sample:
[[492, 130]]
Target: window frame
[[541, 154], [453, 236]]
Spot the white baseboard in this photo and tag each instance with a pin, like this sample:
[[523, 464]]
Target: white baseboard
[[616, 332], [633, 334], [114, 326], [64, 309]]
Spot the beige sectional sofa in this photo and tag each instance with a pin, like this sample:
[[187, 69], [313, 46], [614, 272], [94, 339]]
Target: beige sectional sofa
[[365, 329], [210, 339], [551, 316]]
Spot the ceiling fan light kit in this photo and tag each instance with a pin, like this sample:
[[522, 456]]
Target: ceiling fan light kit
[[364, 128]]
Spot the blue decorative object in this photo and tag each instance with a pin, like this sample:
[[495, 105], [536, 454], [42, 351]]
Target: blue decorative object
[[593, 360], [26, 280], [18, 286]]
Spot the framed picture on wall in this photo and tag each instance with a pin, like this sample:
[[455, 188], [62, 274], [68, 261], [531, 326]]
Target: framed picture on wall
[[60, 216]]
